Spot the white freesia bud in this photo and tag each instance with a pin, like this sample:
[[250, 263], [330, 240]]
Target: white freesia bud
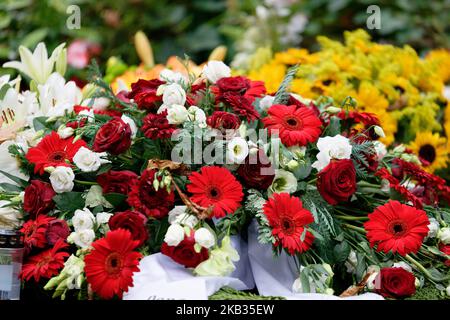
[[83, 219], [417, 283], [65, 132], [444, 235], [333, 110], [266, 102], [337, 147], [174, 235], [103, 217], [292, 165], [215, 70], [379, 131], [82, 238], [237, 150], [89, 161], [433, 228], [284, 181], [177, 114], [402, 265], [62, 179], [205, 238], [132, 125], [174, 94]]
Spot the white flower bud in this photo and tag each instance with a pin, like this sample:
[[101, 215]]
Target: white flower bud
[[444, 235], [65, 132], [61, 179], [215, 70], [333, 110], [433, 228], [379, 131], [205, 238], [174, 235], [103, 217], [132, 125]]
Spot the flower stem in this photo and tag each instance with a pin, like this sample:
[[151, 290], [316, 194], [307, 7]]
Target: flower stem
[[359, 229], [86, 183], [425, 271], [351, 218]]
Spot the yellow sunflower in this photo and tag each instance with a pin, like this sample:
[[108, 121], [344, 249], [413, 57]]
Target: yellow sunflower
[[431, 148]]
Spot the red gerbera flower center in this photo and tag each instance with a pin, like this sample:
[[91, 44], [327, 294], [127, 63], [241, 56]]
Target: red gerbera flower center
[[214, 193], [293, 122], [397, 227], [287, 225], [58, 156], [113, 263]]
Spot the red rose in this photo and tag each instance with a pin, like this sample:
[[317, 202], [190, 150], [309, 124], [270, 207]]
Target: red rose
[[445, 248], [237, 84], [144, 93], [117, 181], [114, 137], [395, 283], [337, 181], [156, 126], [197, 93], [184, 253], [222, 121], [144, 198], [57, 229], [38, 198], [256, 171], [132, 221]]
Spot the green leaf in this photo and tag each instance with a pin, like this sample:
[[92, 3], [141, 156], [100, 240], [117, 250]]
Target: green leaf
[[69, 201], [34, 37], [20, 182], [3, 90], [116, 199], [39, 123], [341, 251], [10, 187]]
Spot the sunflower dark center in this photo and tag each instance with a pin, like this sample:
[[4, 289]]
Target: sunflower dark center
[[398, 228], [214, 192], [58, 156], [428, 153], [113, 263], [293, 122], [287, 225]]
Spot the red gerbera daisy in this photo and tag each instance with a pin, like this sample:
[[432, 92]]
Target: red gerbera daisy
[[53, 151], [217, 187], [295, 125], [397, 227], [110, 265], [45, 264], [288, 220], [34, 232]]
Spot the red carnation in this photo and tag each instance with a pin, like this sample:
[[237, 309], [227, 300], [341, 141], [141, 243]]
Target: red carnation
[[397, 227], [156, 126], [257, 171], [57, 230], [45, 264], [34, 232], [184, 253], [144, 198], [337, 181], [395, 283], [114, 137], [53, 151], [117, 181], [132, 221], [217, 187], [223, 121], [111, 264], [241, 105], [144, 93], [38, 198], [294, 125], [445, 249], [288, 220]]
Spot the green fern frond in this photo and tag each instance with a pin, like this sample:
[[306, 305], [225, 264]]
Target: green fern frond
[[282, 95]]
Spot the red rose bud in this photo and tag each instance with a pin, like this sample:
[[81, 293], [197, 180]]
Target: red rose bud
[[57, 230], [114, 137], [132, 221], [337, 181], [184, 253], [117, 181], [257, 171], [144, 93], [38, 198], [223, 121], [395, 283]]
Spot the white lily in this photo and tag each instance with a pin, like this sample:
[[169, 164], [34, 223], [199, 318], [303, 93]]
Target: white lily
[[37, 65]]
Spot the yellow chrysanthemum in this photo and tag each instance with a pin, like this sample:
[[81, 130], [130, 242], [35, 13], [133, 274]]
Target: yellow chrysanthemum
[[439, 59], [447, 125], [272, 74], [369, 98], [430, 148]]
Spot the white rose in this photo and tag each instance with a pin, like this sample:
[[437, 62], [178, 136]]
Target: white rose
[[82, 238], [177, 114], [171, 76], [65, 132], [402, 265], [174, 235], [198, 115], [337, 147], [237, 150], [9, 217], [284, 181], [266, 102], [132, 125], [444, 235], [62, 179], [174, 94], [178, 215], [215, 70], [205, 238], [89, 161], [380, 149], [433, 228], [103, 217], [83, 219]]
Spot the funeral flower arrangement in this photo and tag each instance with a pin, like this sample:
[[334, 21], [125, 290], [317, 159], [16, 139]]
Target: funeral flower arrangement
[[96, 180]]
